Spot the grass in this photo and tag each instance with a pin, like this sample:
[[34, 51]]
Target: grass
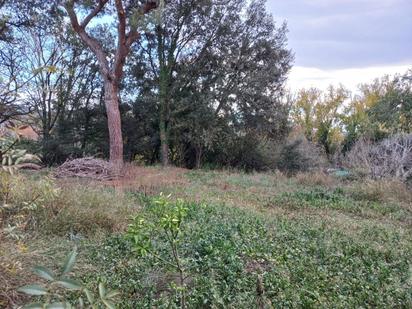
[[314, 244]]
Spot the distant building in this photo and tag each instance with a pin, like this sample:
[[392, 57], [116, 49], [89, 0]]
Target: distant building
[[21, 130]]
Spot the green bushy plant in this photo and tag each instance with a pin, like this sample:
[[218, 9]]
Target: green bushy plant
[[300, 155], [169, 216]]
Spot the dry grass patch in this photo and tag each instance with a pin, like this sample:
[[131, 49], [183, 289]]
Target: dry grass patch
[[80, 210], [382, 191], [316, 178], [149, 180], [50, 207]]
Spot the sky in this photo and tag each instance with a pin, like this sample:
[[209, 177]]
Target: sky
[[345, 41]]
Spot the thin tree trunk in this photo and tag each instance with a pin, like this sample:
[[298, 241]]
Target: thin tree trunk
[[164, 142], [111, 99], [164, 116], [199, 153]]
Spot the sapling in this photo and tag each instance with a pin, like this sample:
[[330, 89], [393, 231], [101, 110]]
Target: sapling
[[170, 216]]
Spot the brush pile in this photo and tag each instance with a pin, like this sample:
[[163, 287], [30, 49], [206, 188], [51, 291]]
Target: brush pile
[[88, 167]]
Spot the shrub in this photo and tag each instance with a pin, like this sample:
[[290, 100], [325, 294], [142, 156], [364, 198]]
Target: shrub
[[301, 155], [12, 159], [247, 152], [169, 216]]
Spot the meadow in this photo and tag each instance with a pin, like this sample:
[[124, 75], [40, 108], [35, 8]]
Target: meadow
[[173, 238]]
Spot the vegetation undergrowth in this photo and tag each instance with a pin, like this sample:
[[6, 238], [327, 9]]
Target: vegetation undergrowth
[[223, 239], [230, 254]]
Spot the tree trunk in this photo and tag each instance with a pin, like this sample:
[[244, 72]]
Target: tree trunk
[[199, 153], [164, 142], [164, 116], [111, 100]]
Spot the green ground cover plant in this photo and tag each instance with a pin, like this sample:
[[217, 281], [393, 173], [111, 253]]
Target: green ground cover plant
[[226, 251], [222, 239]]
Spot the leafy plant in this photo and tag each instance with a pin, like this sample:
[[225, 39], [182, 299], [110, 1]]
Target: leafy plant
[[54, 292], [13, 159], [170, 216]]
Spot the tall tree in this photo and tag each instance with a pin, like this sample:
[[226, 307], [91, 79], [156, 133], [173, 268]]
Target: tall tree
[[393, 109], [213, 59], [13, 80], [318, 114], [16, 17], [111, 68], [183, 32], [303, 111]]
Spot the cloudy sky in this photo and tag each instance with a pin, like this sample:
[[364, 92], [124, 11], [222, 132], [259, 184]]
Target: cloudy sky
[[346, 41]]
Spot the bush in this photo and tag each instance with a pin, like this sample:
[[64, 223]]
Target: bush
[[300, 155], [246, 152]]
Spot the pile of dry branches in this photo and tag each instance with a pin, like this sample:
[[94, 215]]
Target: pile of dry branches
[[390, 158], [88, 167]]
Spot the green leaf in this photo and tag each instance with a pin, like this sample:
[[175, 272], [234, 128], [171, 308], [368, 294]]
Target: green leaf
[[81, 302], [33, 306], [89, 296], [112, 294], [43, 272], [109, 304], [102, 290], [70, 260], [57, 306], [69, 284], [33, 289]]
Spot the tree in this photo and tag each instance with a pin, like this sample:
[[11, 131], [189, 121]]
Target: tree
[[318, 115], [328, 117], [393, 109], [356, 119], [12, 81], [17, 14], [111, 68], [213, 60], [382, 108], [15, 18], [65, 82], [304, 111], [182, 33]]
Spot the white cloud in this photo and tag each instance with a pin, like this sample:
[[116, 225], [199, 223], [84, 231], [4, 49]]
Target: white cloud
[[371, 3], [306, 77]]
